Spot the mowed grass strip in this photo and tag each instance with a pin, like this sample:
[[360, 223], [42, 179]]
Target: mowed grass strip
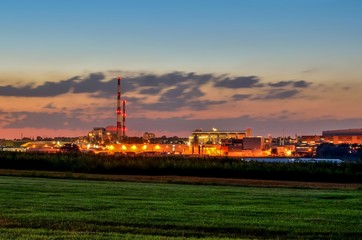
[[79, 209]]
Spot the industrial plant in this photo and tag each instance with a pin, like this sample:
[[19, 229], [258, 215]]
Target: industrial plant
[[213, 142]]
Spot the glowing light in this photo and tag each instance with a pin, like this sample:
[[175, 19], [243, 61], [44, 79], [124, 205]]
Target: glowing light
[[144, 147], [111, 147], [124, 147], [157, 147], [134, 147]]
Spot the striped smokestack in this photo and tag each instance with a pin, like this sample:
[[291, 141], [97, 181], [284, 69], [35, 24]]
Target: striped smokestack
[[124, 119], [119, 127]]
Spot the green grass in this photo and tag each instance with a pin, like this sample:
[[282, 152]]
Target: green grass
[[40, 208]]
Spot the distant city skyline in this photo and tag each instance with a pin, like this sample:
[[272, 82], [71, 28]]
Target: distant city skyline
[[274, 66]]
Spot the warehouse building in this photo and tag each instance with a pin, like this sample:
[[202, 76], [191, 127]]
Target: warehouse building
[[348, 136]]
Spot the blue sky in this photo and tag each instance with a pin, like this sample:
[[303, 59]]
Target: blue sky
[[280, 42]]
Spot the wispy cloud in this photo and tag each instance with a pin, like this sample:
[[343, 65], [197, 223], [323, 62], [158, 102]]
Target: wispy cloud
[[241, 96], [280, 94], [239, 82], [296, 84]]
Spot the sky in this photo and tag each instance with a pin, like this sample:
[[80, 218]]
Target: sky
[[275, 66]]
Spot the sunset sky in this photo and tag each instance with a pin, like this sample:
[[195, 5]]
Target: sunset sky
[[271, 65]]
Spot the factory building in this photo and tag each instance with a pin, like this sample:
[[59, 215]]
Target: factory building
[[253, 143], [348, 136], [214, 136], [310, 139], [99, 135], [148, 136], [248, 146], [229, 143]]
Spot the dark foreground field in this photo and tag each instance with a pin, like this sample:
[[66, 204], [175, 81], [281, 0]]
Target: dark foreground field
[[41, 208], [216, 167]]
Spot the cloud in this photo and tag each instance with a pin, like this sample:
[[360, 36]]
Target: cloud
[[171, 86], [202, 105], [280, 84], [150, 91], [182, 92], [175, 102], [311, 70], [241, 96], [301, 84], [180, 96], [41, 120], [89, 84], [77, 119], [278, 94], [106, 87], [239, 82], [92, 98], [296, 84], [151, 83]]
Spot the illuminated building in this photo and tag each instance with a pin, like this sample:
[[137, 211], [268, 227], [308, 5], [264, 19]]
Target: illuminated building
[[284, 150], [248, 146], [227, 143], [150, 149], [214, 136], [311, 139], [348, 136], [147, 136], [99, 135]]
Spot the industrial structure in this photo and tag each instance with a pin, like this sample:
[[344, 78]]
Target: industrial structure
[[147, 136], [119, 125], [121, 113], [342, 136], [123, 119], [227, 143], [232, 143], [348, 136], [214, 136]]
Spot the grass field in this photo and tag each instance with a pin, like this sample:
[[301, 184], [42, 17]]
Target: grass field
[[41, 208]]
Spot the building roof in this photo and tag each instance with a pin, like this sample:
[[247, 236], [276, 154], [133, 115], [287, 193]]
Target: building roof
[[343, 132]]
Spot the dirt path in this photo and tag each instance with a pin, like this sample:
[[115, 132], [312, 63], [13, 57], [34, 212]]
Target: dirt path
[[183, 179]]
